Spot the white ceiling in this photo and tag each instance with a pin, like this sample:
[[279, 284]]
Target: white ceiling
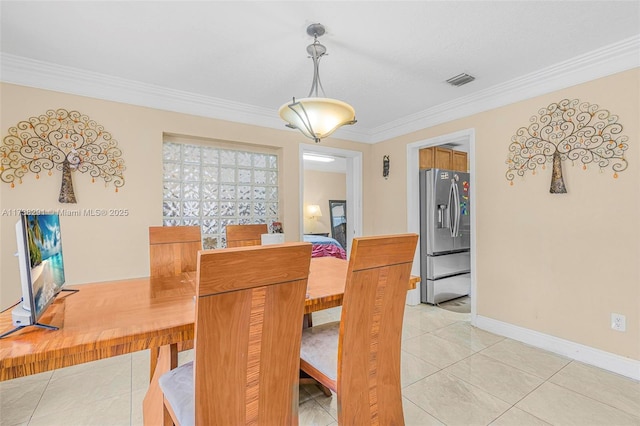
[[242, 60]]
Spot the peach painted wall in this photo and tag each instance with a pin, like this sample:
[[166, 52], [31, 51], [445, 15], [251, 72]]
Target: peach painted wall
[[556, 264], [110, 248]]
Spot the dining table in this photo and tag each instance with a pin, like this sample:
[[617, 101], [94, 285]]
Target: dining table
[[113, 318]]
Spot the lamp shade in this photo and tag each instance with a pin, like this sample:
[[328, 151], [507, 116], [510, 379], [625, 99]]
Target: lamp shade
[[313, 210], [317, 118]]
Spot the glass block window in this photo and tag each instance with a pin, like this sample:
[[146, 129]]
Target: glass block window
[[213, 187]]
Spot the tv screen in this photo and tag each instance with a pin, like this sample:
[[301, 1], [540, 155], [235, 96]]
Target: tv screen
[[45, 265]]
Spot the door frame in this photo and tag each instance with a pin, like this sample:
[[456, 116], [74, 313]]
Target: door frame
[[354, 187], [467, 138]]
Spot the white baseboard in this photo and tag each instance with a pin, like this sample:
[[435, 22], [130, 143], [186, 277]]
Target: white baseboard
[[599, 358]]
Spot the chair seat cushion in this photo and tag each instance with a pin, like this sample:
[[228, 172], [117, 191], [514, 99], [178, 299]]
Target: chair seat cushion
[[319, 348], [179, 388]]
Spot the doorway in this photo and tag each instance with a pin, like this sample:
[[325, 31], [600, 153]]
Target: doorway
[[465, 141], [352, 161]]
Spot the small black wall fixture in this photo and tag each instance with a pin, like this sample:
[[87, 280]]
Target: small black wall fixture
[[385, 167]]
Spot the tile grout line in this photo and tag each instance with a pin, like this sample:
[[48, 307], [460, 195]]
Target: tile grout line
[[131, 391], [511, 406], [588, 396], [40, 399]]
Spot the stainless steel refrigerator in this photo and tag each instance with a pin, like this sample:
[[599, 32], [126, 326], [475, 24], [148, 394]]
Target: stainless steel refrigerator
[[445, 235]]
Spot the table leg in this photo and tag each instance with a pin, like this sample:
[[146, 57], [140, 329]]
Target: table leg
[[165, 358], [305, 379], [153, 362], [307, 321]]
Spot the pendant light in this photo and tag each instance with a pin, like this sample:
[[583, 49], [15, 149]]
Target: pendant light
[[317, 117]]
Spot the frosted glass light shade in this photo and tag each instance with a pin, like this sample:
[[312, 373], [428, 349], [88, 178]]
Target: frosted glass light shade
[[317, 118]]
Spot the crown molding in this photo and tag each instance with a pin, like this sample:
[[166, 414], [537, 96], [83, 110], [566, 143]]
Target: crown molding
[[45, 75], [608, 60], [611, 59], [23, 71]]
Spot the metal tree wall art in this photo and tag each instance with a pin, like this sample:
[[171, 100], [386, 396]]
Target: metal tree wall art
[[65, 140], [567, 130]]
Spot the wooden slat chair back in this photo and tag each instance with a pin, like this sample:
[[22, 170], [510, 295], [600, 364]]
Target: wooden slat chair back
[[249, 306], [363, 367], [245, 235], [173, 250]]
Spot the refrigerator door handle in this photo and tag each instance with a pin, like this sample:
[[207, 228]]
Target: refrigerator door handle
[[452, 209], [457, 210]]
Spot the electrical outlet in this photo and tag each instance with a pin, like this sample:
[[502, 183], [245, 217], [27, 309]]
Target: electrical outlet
[[618, 322]]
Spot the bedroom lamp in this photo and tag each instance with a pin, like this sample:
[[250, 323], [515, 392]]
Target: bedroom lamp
[[313, 211], [317, 117]]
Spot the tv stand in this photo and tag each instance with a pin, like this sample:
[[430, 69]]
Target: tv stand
[[22, 318], [20, 327]]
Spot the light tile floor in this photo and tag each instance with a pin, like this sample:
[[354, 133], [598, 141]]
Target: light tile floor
[[452, 374]]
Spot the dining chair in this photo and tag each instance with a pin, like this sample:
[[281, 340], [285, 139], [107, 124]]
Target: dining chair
[[173, 250], [251, 235], [245, 235], [249, 303], [358, 357]]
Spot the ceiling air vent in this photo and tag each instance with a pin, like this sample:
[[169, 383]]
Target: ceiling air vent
[[461, 79]]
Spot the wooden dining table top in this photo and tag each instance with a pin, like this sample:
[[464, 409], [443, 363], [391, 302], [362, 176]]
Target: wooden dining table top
[[118, 317]]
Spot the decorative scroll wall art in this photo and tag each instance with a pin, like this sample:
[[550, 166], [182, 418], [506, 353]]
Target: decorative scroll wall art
[[64, 140], [567, 130]]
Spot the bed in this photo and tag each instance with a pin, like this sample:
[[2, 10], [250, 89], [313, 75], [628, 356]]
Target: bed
[[325, 246]]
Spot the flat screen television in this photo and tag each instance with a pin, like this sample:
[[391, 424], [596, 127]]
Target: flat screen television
[[41, 267]]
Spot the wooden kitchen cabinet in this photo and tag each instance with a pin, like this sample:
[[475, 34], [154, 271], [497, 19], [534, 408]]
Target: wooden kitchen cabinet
[[443, 158], [427, 158], [459, 161]]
